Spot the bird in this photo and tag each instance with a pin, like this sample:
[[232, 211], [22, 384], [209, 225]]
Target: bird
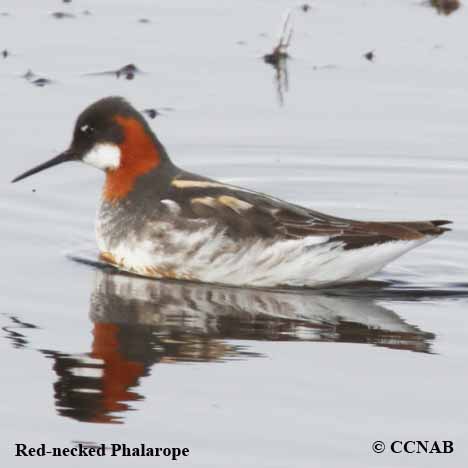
[[157, 220]]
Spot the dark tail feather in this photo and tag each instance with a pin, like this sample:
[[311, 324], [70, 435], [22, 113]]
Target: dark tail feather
[[441, 222], [429, 228]]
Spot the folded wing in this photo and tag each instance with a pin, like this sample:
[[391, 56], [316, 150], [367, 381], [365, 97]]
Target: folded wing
[[245, 213]]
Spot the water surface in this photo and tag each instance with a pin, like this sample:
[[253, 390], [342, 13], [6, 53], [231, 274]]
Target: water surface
[[242, 377]]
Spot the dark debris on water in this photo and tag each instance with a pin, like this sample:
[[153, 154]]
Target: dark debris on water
[[369, 56], [279, 56], [445, 7], [62, 15], [35, 80], [280, 51], [41, 82], [128, 72], [151, 113]]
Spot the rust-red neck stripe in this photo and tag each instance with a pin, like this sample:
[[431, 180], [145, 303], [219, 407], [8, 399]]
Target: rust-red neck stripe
[[139, 155]]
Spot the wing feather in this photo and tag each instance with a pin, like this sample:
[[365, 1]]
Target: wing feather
[[244, 213]]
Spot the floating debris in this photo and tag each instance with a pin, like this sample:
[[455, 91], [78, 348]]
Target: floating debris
[[86, 13], [369, 56], [445, 7], [305, 7], [241, 43], [128, 72], [66, 1], [144, 21], [62, 15], [151, 113], [5, 53], [36, 80], [280, 53], [41, 82], [279, 56]]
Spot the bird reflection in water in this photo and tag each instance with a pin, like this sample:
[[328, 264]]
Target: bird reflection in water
[[140, 322]]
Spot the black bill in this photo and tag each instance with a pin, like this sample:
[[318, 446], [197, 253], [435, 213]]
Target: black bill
[[67, 155]]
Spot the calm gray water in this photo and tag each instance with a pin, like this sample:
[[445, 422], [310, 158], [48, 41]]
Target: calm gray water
[[240, 377]]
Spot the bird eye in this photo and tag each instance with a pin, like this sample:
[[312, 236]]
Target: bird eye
[[86, 129]]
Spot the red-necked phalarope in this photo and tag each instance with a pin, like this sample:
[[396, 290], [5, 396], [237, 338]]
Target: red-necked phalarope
[[160, 221]]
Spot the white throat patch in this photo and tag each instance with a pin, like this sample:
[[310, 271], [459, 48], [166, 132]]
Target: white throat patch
[[103, 156]]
